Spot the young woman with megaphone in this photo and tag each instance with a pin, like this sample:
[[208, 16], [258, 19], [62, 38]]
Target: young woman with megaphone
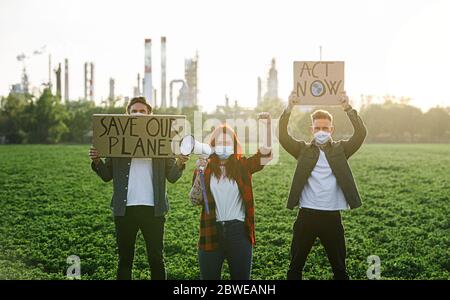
[[227, 223]]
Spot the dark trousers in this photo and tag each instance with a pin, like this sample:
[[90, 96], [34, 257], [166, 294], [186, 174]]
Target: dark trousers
[[152, 228], [325, 225], [235, 247]]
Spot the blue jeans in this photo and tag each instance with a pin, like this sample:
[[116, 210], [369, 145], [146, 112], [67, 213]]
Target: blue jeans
[[234, 246]]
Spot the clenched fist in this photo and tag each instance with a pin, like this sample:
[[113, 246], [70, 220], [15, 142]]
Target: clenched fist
[[181, 160], [293, 100], [343, 100], [93, 155]]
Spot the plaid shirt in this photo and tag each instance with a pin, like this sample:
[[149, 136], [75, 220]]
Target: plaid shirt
[[208, 240]]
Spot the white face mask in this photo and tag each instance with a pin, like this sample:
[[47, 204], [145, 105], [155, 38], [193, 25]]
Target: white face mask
[[322, 137], [223, 152], [137, 114]]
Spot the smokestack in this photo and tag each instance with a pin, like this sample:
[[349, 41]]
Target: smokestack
[[258, 100], [137, 88], [50, 71], [139, 84], [66, 79], [163, 72], [58, 81], [91, 94], [111, 89], [148, 88], [85, 81]]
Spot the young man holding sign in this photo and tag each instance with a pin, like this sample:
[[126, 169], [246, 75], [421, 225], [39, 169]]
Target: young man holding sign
[[323, 185], [139, 200]]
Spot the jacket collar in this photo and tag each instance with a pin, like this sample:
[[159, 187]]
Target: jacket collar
[[325, 146]]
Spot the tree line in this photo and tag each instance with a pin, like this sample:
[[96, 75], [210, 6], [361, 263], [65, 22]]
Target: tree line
[[48, 120]]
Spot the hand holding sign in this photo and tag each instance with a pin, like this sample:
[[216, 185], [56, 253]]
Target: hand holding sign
[[343, 100], [293, 100], [93, 155]]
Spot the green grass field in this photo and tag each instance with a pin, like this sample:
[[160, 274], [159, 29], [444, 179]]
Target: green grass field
[[52, 206]]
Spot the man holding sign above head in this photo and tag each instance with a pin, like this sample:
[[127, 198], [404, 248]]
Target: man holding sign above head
[[139, 199], [322, 185]]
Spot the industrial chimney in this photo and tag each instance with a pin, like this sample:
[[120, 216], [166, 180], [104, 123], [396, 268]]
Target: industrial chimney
[[258, 100], [89, 81], [50, 71], [58, 81], [66, 79], [137, 88], [111, 90], [92, 82], [139, 84], [163, 72], [85, 81], [148, 89]]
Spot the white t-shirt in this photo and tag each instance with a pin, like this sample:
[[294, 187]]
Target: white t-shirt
[[229, 204], [322, 192], [140, 182]]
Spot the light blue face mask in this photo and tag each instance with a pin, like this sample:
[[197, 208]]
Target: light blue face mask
[[322, 137], [223, 152]]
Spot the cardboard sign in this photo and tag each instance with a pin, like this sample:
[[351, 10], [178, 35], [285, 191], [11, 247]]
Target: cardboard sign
[[319, 82], [153, 136]]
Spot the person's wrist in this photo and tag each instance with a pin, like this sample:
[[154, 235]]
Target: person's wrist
[[289, 107]]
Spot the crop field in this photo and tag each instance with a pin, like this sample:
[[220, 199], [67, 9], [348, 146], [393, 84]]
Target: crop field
[[52, 205]]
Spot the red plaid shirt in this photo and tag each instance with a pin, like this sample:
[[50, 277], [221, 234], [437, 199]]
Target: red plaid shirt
[[208, 240]]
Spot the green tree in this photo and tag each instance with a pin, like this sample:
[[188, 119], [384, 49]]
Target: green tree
[[13, 109], [436, 125], [392, 121], [48, 123], [79, 119]]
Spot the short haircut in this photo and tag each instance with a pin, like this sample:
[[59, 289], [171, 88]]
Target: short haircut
[[138, 100], [321, 114]]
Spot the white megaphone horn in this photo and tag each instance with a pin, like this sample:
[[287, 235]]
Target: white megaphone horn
[[188, 145]]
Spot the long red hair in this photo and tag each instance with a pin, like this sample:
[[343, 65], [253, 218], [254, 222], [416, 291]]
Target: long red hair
[[232, 162]]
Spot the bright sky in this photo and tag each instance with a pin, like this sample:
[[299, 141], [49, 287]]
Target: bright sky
[[390, 47]]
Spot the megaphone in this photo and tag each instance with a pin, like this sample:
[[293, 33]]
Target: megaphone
[[188, 145]]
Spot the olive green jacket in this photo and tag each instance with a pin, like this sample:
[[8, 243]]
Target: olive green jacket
[[336, 152], [118, 169]]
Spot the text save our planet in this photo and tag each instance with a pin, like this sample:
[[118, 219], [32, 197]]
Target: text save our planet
[[137, 136]]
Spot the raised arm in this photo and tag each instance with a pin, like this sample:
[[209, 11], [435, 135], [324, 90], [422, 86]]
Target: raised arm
[[253, 163], [359, 129], [291, 145]]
